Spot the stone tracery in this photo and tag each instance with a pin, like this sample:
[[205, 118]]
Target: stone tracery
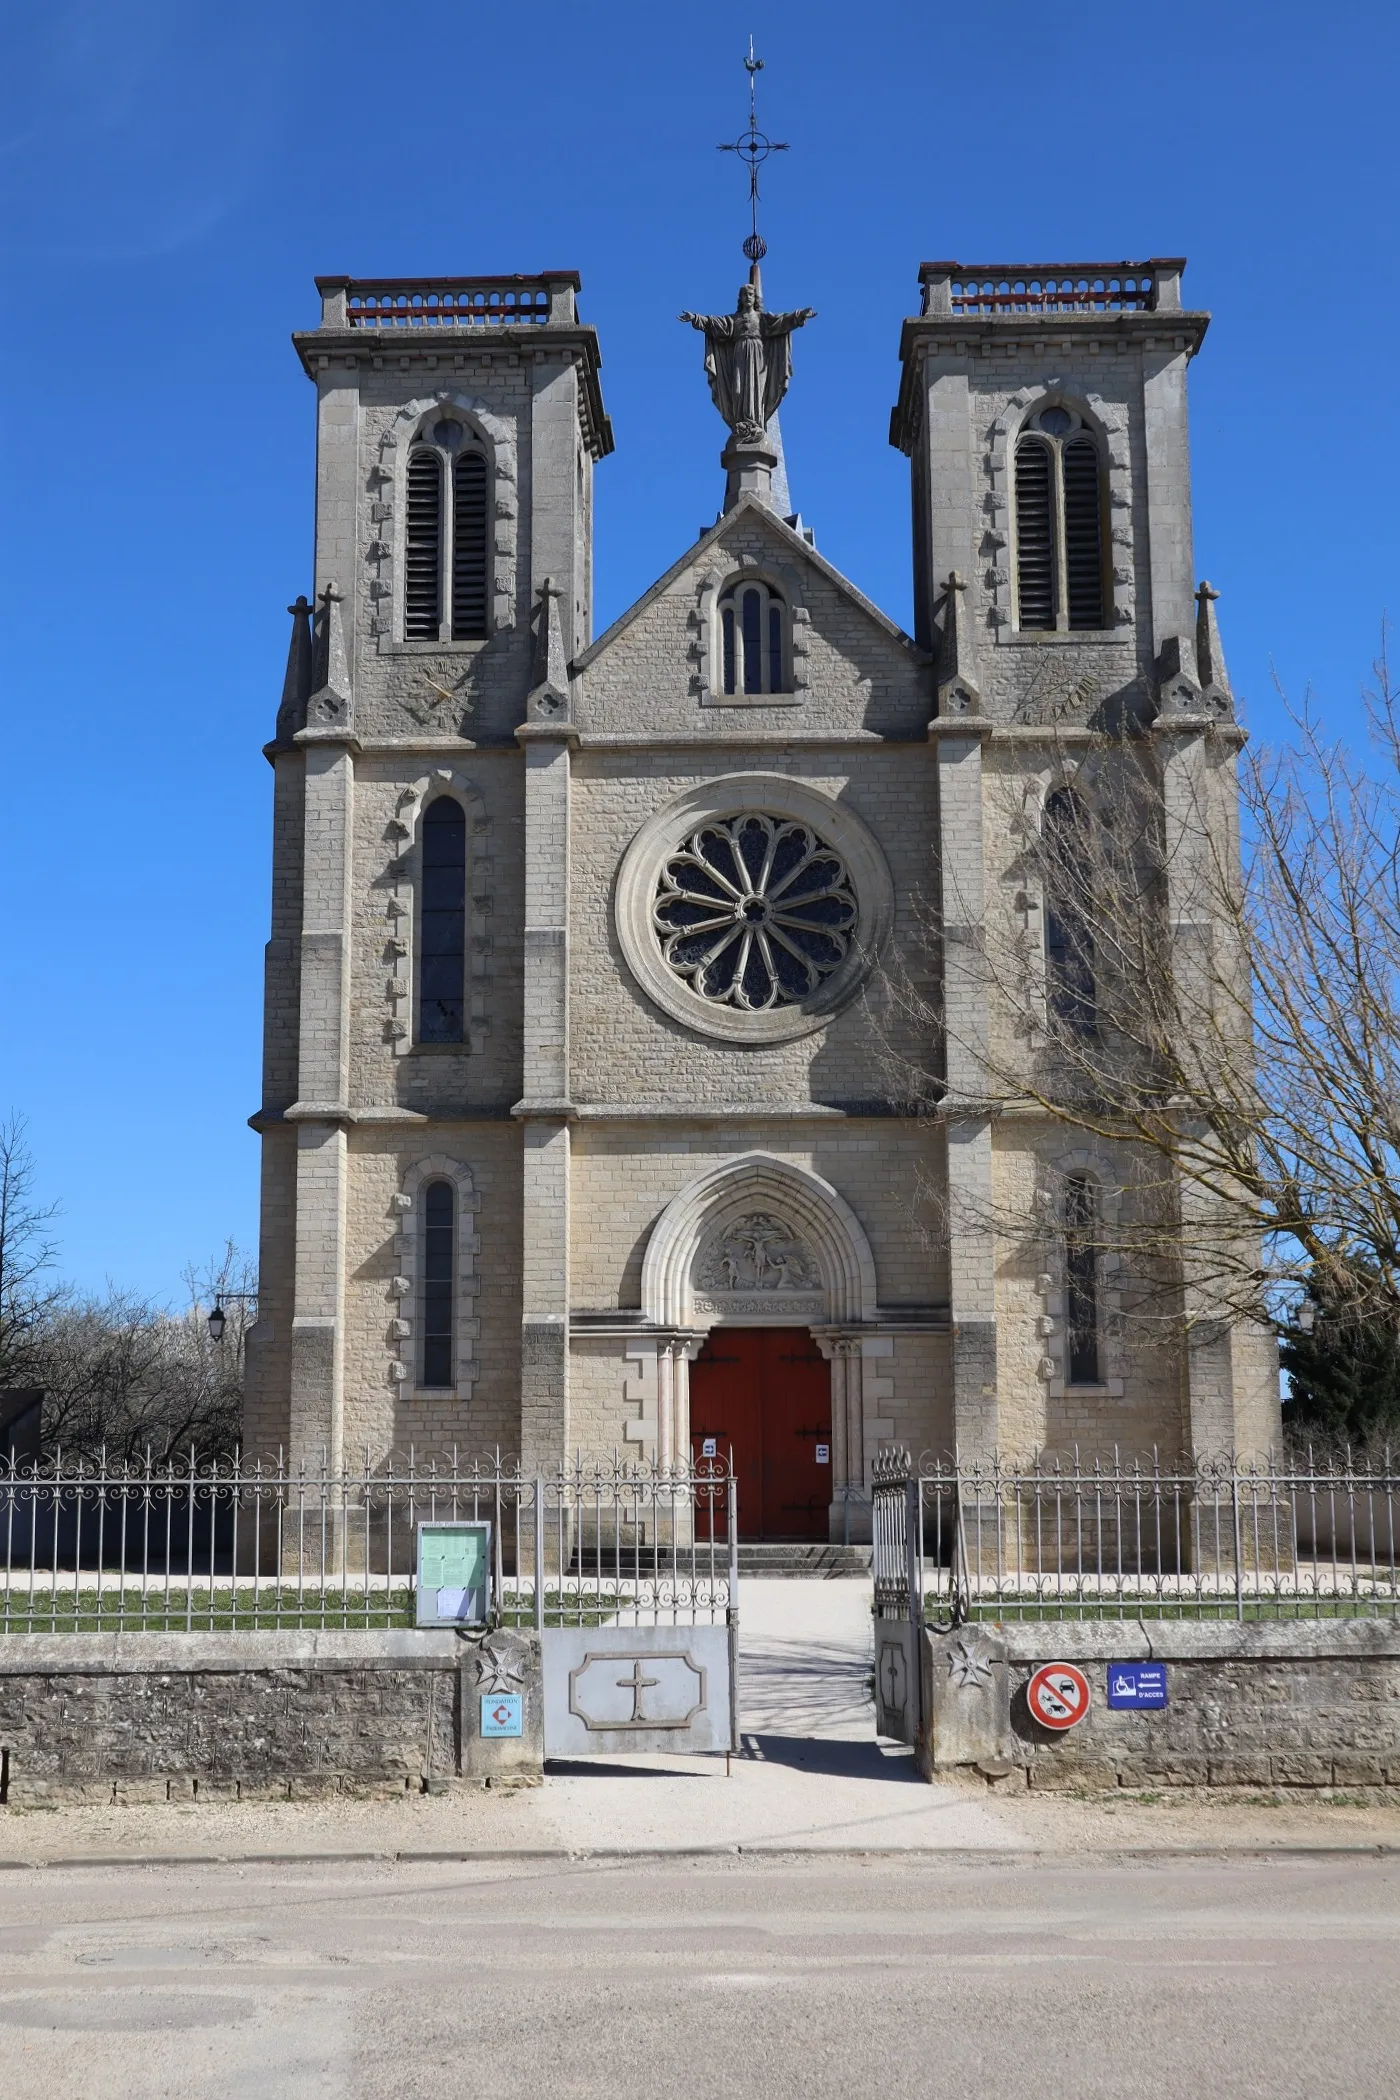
[[755, 911]]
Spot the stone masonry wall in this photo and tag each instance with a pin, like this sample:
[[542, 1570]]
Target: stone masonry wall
[[154, 1717], [624, 1049], [1309, 1703]]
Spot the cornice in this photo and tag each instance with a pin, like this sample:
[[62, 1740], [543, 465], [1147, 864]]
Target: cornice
[[449, 350], [978, 336]]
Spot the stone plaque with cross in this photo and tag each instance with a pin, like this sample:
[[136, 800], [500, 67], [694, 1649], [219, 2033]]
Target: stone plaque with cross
[[636, 1688]]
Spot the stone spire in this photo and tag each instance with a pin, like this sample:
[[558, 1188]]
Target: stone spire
[[958, 690], [549, 690], [296, 686], [329, 706], [1210, 657]]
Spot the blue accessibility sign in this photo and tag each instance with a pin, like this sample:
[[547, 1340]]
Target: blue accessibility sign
[[1137, 1684]]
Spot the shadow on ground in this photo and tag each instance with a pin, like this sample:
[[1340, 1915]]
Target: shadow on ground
[[831, 1758]]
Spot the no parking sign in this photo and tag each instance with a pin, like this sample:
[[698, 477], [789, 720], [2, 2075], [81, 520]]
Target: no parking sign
[[1058, 1695]]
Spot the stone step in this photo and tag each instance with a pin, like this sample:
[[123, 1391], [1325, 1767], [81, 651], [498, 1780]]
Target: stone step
[[799, 1558], [779, 1559]]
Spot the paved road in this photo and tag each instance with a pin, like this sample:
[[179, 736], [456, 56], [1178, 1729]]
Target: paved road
[[767, 1978]]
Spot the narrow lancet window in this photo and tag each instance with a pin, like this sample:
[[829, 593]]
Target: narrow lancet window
[[1081, 1281], [1083, 536], [469, 548], [1035, 536], [753, 640], [422, 613], [1069, 942], [439, 1259], [442, 937]]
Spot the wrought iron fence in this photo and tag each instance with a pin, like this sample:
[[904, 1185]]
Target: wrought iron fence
[[1105, 1539], [185, 1547]]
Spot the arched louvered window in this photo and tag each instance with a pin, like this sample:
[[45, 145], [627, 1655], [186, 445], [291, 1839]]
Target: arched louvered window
[[753, 639], [1035, 534], [442, 924], [438, 1225], [422, 587], [1059, 526], [1069, 941], [446, 542], [469, 548], [1079, 464], [1081, 1214]]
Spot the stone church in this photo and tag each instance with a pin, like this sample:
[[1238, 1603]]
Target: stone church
[[577, 1131]]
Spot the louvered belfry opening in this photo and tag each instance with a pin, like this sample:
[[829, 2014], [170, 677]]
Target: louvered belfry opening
[[1083, 534], [1035, 535], [422, 607], [469, 548]]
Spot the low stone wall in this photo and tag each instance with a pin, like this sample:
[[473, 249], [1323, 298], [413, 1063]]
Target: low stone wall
[[1288, 1704], [257, 1716]]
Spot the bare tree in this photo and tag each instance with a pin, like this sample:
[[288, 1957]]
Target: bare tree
[[128, 1377], [26, 1257], [1224, 1018]]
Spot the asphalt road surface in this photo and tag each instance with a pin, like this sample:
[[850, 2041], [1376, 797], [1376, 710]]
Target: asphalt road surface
[[556, 1980]]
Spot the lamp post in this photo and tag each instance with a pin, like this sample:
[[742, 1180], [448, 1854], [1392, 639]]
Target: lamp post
[[218, 1319]]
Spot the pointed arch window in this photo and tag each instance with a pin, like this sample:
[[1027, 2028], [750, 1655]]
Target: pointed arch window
[[1081, 1215], [422, 610], [753, 639], [442, 924], [446, 542], [1070, 990], [438, 1224], [1060, 584]]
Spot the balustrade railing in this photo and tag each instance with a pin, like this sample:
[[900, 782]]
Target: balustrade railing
[[447, 302], [964, 291]]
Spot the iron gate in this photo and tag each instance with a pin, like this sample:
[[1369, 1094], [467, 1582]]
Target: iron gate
[[636, 1601]]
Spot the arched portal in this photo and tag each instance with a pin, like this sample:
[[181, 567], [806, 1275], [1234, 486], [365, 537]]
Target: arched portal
[[763, 1275]]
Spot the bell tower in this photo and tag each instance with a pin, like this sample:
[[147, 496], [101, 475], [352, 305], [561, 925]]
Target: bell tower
[[458, 423], [1043, 408]]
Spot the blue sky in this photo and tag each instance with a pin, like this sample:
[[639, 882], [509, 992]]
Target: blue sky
[[174, 173]]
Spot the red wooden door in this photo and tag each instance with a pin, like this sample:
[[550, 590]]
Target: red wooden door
[[796, 1435], [724, 1412], [764, 1394]]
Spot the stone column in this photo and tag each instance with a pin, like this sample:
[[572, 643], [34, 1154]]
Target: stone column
[[850, 1503]]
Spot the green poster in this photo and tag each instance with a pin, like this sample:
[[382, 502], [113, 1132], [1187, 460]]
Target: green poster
[[454, 1564]]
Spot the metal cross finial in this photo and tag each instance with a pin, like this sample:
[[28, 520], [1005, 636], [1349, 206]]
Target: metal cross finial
[[753, 148]]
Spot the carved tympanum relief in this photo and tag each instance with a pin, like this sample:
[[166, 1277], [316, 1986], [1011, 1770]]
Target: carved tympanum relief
[[758, 1253]]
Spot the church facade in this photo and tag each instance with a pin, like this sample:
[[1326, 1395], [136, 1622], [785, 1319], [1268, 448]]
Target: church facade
[[580, 1125]]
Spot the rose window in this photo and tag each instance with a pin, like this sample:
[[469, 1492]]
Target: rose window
[[755, 911]]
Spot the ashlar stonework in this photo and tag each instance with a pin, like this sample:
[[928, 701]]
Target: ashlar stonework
[[568, 1081]]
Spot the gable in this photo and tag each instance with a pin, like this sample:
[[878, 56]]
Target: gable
[[852, 671]]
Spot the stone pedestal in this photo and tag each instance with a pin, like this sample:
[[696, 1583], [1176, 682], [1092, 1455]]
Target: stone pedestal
[[496, 1669]]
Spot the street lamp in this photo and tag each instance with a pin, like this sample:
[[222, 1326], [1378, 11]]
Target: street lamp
[[218, 1318]]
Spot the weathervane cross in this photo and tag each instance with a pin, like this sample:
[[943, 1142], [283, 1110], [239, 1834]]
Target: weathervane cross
[[753, 148]]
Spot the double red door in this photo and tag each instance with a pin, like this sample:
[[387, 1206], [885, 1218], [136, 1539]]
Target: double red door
[[765, 1394]]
